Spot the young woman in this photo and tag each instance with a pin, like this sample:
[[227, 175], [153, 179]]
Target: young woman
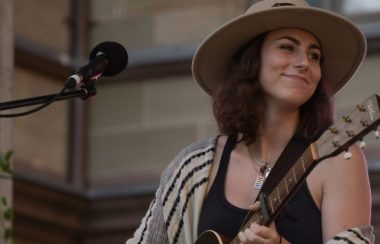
[[271, 73]]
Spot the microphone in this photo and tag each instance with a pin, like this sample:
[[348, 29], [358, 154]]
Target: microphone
[[106, 59]]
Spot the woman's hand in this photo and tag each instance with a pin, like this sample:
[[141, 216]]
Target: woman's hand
[[259, 234]]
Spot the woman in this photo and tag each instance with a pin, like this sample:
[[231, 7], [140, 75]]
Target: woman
[[271, 73]]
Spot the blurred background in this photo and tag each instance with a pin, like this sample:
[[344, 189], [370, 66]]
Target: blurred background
[[86, 171]]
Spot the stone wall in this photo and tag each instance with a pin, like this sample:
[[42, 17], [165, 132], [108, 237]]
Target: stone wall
[[136, 128], [142, 24]]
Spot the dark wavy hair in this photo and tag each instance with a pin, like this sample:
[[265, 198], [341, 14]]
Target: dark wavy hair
[[236, 102]]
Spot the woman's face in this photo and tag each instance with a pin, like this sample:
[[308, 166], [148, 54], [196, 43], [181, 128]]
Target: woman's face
[[290, 66]]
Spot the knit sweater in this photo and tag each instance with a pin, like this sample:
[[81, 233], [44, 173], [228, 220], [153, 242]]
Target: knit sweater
[[173, 214]]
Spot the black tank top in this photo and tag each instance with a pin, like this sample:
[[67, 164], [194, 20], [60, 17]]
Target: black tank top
[[300, 224]]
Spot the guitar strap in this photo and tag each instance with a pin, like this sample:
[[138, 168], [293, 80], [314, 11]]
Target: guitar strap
[[293, 150], [291, 153]]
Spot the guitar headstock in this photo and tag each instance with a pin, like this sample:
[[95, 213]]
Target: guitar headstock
[[364, 119]]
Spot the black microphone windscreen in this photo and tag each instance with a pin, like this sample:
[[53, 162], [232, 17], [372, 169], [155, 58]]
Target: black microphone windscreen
[[116, 55]]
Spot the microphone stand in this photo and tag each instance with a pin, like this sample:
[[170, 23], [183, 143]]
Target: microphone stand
[[83, 92]]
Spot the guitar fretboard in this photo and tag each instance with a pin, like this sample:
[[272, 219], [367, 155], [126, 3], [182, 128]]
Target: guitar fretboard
[[290, 182]]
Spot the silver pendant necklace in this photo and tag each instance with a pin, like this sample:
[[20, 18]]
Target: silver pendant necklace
[[265, 170], [262, 174]]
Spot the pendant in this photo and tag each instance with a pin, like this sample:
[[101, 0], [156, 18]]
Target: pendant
[[266, 172], [259, 182], [261, 178]]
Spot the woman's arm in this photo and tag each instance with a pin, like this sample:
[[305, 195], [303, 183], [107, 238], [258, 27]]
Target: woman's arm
[[346, 199], [152, 228]]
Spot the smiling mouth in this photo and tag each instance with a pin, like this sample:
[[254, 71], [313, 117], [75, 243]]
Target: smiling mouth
[[298, 78]]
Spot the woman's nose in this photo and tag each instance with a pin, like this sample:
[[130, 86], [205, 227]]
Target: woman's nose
[[301, 62]]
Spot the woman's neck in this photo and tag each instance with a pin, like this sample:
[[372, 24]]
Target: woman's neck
[[277, 128]]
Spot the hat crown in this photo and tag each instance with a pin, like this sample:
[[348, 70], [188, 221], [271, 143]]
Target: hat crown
[[268, 4]]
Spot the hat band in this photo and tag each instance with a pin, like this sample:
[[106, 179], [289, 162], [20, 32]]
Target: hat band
[[282, 4]]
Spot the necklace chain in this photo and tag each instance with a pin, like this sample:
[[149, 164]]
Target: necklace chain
[[254, 166], [262, 174], [264, 169], [256, 160]]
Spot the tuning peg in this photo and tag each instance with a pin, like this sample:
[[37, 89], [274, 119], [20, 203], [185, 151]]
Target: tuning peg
[[361, 107], [347, 119], [350, 133], [347, 155], [362, 144], [364, 123], [336, 144], [333, 130]]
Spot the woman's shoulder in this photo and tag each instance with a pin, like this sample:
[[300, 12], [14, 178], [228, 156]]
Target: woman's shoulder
[[193, 155], [351, 160], [345, 173], [201, 146]]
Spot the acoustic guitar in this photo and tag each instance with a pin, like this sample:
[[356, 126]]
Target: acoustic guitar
[[336, 139]]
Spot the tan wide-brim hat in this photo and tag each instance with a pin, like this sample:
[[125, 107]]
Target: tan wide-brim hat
[[343, 43]]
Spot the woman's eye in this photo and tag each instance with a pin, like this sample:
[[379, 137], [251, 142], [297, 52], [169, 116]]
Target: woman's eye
[[287, 47], [315, 56]]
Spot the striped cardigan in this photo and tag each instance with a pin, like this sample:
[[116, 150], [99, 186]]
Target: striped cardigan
[[173, 214]]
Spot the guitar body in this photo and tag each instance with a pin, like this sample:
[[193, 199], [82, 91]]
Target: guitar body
[[211, 237]]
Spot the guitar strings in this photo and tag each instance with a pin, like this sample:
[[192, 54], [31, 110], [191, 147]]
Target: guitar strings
[[282, 185]]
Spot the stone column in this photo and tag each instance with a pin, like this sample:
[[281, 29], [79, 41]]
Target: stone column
[[6, 75]]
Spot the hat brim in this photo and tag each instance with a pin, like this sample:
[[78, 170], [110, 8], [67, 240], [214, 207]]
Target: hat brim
[[343, 44]]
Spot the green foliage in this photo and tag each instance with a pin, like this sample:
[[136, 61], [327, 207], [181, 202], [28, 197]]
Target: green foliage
[[7, 212], [5, 163]]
